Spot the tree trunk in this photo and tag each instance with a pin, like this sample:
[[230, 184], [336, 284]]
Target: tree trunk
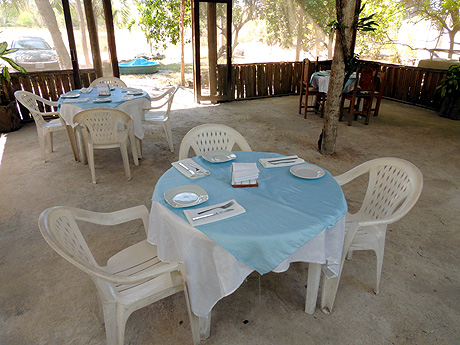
[[343, 52], [49, 18], [298, 46], [84, 42], [330, 42], [182, 43]]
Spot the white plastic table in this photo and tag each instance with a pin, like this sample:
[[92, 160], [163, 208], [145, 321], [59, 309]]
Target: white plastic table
[[291, 216], [133, 107]]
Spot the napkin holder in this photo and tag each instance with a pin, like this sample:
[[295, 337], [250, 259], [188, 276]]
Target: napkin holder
[[103, 90], [251, 182]]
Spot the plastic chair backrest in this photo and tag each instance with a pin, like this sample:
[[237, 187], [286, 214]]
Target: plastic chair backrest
[[167, 98], [393, 189], [102, 124], [31, 101], [111, 81], [211, 137], [59, 228]]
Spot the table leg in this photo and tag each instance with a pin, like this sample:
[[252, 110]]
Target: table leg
[[205, 327], [314, 275], [73, 141], [81, 145]]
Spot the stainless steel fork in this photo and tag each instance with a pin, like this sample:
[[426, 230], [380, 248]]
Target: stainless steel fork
[[227, 205]]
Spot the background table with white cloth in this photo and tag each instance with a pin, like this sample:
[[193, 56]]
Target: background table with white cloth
[[287, 219], [320, 80], [69, 107]]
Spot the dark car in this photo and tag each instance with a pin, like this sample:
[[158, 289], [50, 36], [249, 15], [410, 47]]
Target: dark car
[[34, 54]]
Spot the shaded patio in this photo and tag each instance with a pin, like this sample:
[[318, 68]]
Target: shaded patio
[[45, 300]]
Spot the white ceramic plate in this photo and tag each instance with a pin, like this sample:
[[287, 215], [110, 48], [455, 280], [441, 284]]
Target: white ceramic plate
[[102, 100], [218, 156], [307, 171], [185, 196], [71, 95]]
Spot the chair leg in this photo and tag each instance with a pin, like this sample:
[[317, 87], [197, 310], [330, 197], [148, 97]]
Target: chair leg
[[124, 155], [111, 322], [379, 253], [167, 128], [300, 100], [50, 142], [352, 110], [90, 154], [42, 143], [377, 107], [306, 105]]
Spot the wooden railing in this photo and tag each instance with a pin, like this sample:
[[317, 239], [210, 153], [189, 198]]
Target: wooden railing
[[49, 84], [414, 85]]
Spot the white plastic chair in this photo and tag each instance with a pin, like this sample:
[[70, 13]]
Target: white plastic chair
[[111, 81], [100, 127], [393, 189], [131, 279], [155, 117], [211, 137], [45, 129]]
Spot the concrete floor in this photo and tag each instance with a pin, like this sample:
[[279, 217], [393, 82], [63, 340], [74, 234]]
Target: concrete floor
[[45, 300]]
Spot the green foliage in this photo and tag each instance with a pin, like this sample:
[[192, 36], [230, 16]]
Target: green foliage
[[450, 86], [389, 15], [159, 20], [26, 19], [3, 52]]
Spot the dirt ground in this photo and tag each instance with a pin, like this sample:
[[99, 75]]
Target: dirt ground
[[45, 300]]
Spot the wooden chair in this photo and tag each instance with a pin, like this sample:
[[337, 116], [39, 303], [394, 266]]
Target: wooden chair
[[379, 88], [307, 90], [363, 93]]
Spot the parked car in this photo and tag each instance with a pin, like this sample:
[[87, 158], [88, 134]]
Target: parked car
[[34, 54]]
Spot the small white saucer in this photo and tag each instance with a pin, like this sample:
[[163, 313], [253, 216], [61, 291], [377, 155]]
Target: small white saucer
[[307, 171]]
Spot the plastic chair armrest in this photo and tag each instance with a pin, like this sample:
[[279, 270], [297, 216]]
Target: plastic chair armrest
[[114, 218], [148, 274]]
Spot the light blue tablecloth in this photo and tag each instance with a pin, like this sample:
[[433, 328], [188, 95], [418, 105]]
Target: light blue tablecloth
[[282, 214], [115, 95]]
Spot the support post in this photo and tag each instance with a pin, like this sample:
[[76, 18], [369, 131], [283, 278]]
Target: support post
[[94, 40], [72, 45], [111, 37]]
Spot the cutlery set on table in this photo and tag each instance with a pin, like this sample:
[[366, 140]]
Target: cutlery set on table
[[243, 175]]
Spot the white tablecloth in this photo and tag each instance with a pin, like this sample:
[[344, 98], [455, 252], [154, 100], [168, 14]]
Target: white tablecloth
[[320, 81], [212, 272], [133, 108]]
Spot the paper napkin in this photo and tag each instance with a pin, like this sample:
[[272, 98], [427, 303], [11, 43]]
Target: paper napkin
[[76, 100], [277, 162], [86, 89], [213, 213], [190, 168], [244, 172]]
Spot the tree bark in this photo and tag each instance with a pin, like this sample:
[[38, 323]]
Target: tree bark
[[343, 52], [49, 18], [298, 45], [84, 41], [182, 43]]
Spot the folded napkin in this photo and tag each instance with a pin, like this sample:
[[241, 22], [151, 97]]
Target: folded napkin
[[190, 168], [323, 73], [244, 172], [102, 100], [86, 89], [280, 161], [213, 213], [127, 97], [103, 89], [76, 100]]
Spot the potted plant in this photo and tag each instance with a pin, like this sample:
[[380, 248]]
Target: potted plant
[[450, 93], [9, 116]]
